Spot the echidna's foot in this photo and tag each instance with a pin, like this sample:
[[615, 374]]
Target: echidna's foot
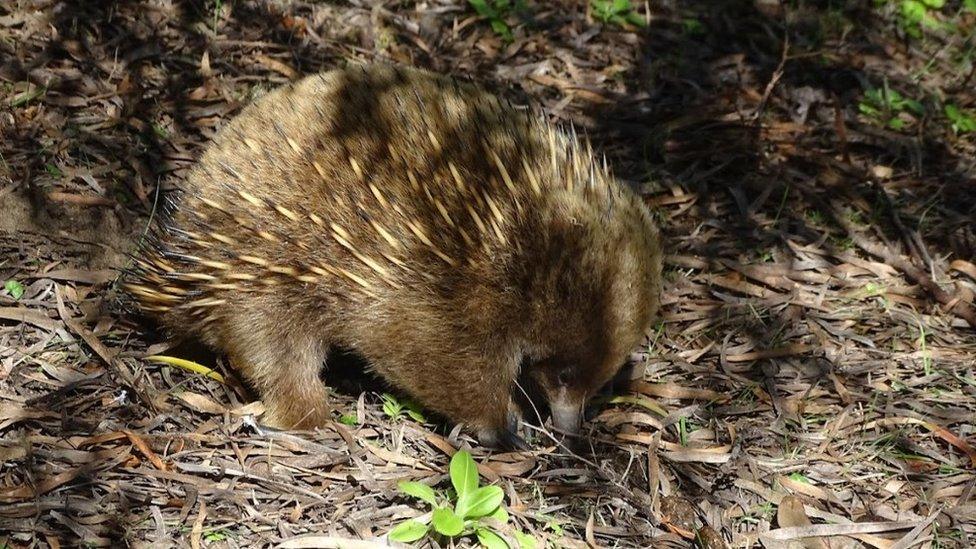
[[506, 438], [513, 442], [296, 418]]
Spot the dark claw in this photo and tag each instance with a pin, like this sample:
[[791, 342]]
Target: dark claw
[[510, 441], [506, 439]]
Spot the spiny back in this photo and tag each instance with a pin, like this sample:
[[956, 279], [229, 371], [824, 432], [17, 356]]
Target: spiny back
[[355, 183]]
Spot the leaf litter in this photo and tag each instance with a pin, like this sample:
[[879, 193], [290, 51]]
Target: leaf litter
[[811, 385]]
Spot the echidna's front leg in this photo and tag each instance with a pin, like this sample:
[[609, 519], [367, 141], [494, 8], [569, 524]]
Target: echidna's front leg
[[285, 369], [505, 437], [472, 390]]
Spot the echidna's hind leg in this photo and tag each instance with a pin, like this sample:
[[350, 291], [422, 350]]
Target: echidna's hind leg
[[284, 368]]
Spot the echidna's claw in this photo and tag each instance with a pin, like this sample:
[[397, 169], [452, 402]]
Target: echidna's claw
[[511, 441]]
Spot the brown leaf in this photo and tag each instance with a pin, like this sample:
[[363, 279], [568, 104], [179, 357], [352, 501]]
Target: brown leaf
[[201, 403], [145, 450], [791, 513], [277, 66], [590, 538]]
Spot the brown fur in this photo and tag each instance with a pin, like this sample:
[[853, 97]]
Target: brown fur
[[441, 234]]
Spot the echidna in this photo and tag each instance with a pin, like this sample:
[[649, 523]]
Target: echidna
[[455, 242]]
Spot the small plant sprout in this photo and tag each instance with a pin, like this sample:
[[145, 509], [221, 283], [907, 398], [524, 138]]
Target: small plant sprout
[[214, 536], [471, 510], [394, 408], [496, 12], [14, 288], [961, 121], [53, 170], [799, 477], [618, 12], [916, 14], [218, 10], [692, 26], [889, 108]]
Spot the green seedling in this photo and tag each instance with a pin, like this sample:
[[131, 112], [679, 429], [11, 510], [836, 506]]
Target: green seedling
[[843, 243], [799, 477], [683, 430], [887, 107], [215, 536], [496, 12], [218, 9], [160, 130], [618, 12], [926, 356], [349, 419], [14, 288], [961, 121], [918, 14], [394, 408], [53, 170], [471, 510], [26, 97], [691, 26]]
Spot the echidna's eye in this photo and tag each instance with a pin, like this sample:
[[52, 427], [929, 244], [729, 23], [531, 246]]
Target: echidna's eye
[[564, 376]]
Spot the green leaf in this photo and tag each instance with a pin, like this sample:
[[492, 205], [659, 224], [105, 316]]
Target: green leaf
[[446, 522], [409, 531], [867, 109], [215, 536], [962, 122], [482, 501], [500, 514], [602, 10], [483, 9], [14, 288], [935, 4], [414, 411], [490, 539], [915, 106], [913, 11], [799, 477], [349, 419], [416, 416], [692, 26], [636, 20], [391, 406], [501, 29], [464, 473], [969, 5], [524, 540], [418, 490]]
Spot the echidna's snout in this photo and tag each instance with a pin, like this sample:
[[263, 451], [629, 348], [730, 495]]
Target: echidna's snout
[[567, 412]]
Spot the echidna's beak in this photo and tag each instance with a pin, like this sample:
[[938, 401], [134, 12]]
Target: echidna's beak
[[566, 413]]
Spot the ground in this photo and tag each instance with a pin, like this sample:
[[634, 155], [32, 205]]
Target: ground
[[811, 166]]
